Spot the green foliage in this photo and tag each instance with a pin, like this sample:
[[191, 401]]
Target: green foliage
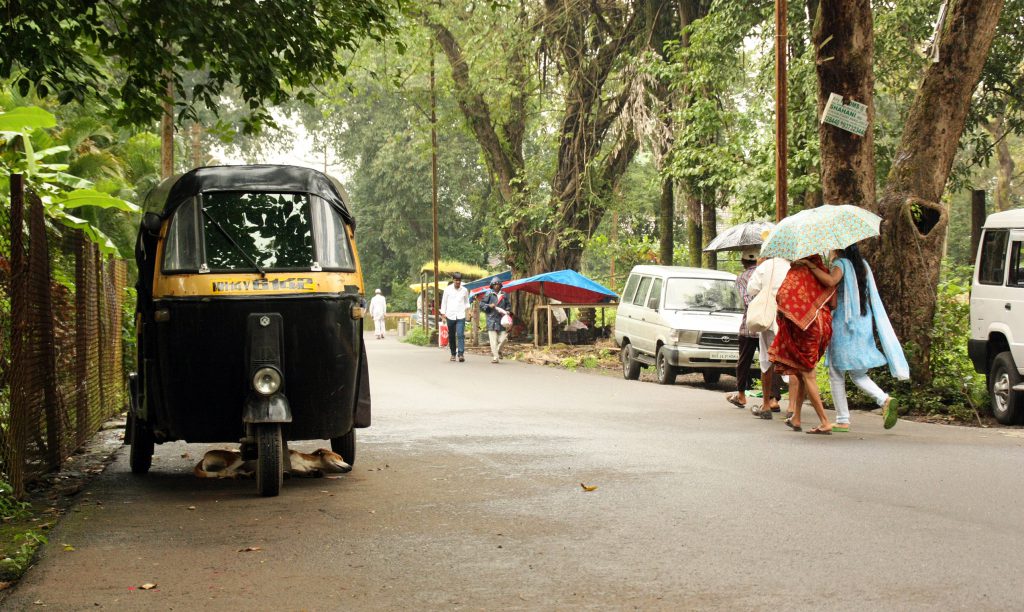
[[129, 342], [589, 361], [417, 336], [10, 508], [570, 363], [28, 542], [60, 191], [117, 52]]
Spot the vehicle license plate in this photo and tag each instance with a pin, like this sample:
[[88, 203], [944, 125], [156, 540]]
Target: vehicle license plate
[[725, 356]]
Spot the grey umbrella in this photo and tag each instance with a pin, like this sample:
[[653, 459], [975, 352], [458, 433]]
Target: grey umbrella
[[740, 236]]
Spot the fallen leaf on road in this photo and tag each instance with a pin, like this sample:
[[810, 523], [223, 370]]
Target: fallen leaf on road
[[148, 586], [191, 507], [68, 547], [588, 488], [250, 549], [5, 585]]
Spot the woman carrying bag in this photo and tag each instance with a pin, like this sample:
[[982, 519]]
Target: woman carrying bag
[[858, 315]]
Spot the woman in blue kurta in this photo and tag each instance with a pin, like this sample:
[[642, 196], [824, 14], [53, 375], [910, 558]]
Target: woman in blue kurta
[[858, 316]]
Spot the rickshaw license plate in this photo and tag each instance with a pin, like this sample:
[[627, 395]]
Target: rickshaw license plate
[[725, 356]]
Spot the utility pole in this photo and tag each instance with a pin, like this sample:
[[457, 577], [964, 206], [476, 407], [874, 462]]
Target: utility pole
[[433, 180], [781, 196]]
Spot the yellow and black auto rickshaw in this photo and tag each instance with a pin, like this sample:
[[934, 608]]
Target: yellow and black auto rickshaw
[[249, 317]]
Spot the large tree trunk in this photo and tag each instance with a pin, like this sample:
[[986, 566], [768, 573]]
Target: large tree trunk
[[914, 219], [587, 40], [709, 229], [1005, 164], [843, 36], [666, 222], [694, 230]]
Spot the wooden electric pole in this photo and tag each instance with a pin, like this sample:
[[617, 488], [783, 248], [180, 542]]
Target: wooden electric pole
[[781, 196], [433, 180]]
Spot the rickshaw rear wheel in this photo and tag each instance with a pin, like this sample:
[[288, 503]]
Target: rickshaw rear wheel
[[270, 459], [140, 456], [346, 446]]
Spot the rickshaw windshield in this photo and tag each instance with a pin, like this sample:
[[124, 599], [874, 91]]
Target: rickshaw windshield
[[247, 232]]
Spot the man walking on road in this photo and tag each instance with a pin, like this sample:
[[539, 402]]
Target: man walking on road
[[454, 304], [378, 308], [747, 339], [496, 306]]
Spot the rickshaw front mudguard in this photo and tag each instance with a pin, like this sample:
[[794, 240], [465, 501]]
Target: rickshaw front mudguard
[[266, 409]]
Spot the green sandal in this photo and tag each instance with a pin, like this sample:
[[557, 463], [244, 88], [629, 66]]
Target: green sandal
[[841, 427], [889, 413]]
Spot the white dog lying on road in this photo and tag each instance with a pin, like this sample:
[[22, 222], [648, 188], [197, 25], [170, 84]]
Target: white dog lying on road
[[221, 463]]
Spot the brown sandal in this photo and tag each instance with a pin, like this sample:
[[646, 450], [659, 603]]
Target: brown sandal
[[820, 431], [789, 423]]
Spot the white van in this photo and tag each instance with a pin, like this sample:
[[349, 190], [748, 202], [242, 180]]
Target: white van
[[996, 346], [678, 320]]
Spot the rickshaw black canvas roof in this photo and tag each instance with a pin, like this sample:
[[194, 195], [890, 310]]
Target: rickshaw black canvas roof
[[172, 192]]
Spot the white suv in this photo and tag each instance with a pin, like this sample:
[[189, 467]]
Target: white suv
[[678, 320], [997, 313]]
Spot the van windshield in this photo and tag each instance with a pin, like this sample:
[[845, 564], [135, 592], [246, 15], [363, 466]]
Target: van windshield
[[710, 294]]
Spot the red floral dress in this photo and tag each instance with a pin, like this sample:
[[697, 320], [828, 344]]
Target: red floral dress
[[805, 321]]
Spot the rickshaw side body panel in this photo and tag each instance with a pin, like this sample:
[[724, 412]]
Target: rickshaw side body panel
[[192, 326]]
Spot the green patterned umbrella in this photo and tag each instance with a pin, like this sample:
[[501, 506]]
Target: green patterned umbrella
[[819, 231]]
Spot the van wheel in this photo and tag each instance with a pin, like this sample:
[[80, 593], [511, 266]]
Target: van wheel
[[270, 459], [1001, 379], [630, 366], [664, 371], [711, 377]]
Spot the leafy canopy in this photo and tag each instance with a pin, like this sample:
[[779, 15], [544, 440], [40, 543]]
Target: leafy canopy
[[124, 51]]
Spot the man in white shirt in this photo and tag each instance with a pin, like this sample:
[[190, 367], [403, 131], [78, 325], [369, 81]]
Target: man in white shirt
[[454, 304], [378, 308]]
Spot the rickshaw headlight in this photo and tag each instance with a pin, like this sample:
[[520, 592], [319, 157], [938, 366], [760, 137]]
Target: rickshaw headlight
[[266, 381], [358, 312]]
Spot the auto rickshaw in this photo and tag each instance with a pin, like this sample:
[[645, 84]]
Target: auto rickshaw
[[249, 317]]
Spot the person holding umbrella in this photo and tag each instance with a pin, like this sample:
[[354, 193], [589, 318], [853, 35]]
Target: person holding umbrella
[[858, 315], [805, 323]]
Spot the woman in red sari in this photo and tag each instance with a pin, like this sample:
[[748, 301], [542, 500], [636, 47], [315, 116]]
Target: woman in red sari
[[805, 328]]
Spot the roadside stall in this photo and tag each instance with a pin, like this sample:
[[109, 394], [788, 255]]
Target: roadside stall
[[569, 289]]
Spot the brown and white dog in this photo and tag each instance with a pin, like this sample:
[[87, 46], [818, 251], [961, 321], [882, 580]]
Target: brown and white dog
[[220, 463]]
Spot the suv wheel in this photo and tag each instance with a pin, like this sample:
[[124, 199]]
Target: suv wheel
[[630, 366], [711, 377], [1001, 379], [663, 370]]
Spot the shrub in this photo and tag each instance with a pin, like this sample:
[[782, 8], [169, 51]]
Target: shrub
[[417, 336]]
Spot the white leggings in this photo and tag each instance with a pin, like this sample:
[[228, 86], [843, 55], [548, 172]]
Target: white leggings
[[837, 380], [378, 327]]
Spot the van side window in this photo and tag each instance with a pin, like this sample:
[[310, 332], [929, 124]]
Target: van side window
[[627, 293], [655, 300], [1016, 265], [641, 294], [992, 268]]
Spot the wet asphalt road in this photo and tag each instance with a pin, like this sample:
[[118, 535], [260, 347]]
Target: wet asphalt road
[[466, 495]]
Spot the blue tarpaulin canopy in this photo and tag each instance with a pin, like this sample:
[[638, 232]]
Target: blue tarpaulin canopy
[[567, 286]]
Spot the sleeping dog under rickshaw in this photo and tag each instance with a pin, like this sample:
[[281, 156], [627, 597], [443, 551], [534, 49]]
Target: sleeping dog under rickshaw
[[249, 317]]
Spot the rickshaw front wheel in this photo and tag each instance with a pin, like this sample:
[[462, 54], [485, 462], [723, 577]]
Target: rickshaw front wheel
[[270, 459], [346, 446], [140, 456]]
